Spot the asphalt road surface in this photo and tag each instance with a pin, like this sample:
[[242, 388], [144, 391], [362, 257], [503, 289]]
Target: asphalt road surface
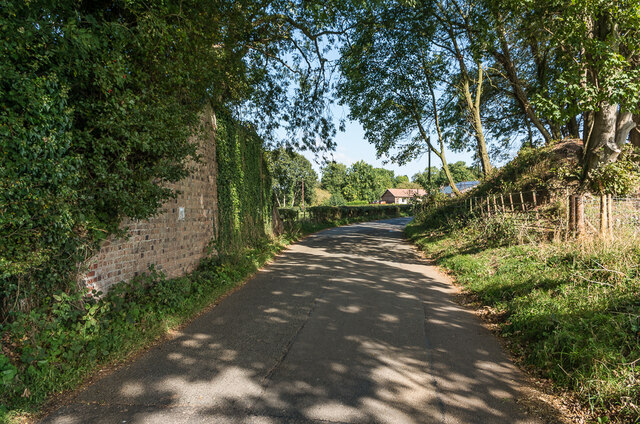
[[349, 326]]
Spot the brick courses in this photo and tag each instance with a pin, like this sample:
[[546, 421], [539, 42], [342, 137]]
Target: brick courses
[[174, 245]]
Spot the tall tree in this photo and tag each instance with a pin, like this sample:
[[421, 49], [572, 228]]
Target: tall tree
[[456, 43], [334, 177], [596, 51], [385, 179], [291, 173], [361, 184], [389, 78]]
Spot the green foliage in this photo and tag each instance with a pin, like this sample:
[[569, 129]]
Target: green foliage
[[459, 172], [334, 177], [545, 169], [360, 182], [288, 214], [321, 197], [336, 199], [92, 127], [325, 214], [384, 68], [621, 177], [607, 54], [290, 217], [58, 344], [364, 182], [289, 170], [402, 181], [98, 104], [569, 310], [244, 186]]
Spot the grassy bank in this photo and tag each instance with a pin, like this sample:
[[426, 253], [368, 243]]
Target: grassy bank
[[570, 311]]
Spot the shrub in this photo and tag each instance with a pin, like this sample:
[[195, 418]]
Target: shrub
[[336, 213]]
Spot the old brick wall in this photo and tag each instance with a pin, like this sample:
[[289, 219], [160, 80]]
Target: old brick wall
[[174, 240]]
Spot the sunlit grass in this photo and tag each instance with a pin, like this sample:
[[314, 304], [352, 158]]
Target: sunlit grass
[[571, 311]]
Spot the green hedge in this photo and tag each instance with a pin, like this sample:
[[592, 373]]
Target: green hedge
[[288, 214], [322, 214], [96, 116]]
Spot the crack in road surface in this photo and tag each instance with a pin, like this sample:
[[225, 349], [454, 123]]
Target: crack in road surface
[[287, 348], [350, 325]]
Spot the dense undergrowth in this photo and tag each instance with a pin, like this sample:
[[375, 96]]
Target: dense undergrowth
[[570, 311]]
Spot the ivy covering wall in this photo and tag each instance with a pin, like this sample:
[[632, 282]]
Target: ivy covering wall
[[244, 186]]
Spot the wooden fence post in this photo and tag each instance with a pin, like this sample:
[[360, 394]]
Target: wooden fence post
[[567, 210], [522, 202], [580, 226], [610, 215], [502, 201], [511, 201], [535, 204], [571, 213], [603, 216]]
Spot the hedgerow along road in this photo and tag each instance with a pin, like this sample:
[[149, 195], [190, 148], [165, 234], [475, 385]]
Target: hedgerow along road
[[350, 325]]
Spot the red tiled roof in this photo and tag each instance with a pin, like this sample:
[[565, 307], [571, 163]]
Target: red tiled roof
[[407, 192]]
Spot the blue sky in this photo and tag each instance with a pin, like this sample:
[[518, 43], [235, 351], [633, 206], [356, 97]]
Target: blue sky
[[352, 147]]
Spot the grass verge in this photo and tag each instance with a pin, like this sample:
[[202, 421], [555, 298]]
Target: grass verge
[[569, 311]]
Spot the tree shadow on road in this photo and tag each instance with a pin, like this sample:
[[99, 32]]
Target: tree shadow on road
[[350, 325]]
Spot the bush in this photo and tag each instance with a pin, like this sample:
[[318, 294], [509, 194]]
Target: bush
[[336, 199], [288, 214], [322, 214]]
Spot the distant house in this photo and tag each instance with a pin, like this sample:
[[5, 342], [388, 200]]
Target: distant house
[[462, 186], [401, 195]]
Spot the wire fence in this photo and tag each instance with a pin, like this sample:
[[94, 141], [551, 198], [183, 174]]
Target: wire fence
[[556, 213], [608, 216]]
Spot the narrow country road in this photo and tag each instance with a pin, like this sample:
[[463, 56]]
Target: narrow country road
[[348, 326]]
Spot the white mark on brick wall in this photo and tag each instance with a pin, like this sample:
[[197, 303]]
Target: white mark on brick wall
[[180, 213]]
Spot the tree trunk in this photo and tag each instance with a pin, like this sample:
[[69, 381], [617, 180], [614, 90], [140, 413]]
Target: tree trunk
[[634, 135], [427, 139], [603, 135], [573, 128], [556, 132], [452, 184], [624, 125], [277, 226], [506, 61], [587, 129], [610, 132], [445, 165], [473, 108]]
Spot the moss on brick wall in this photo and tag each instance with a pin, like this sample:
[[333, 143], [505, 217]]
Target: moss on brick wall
[[244, 186]]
